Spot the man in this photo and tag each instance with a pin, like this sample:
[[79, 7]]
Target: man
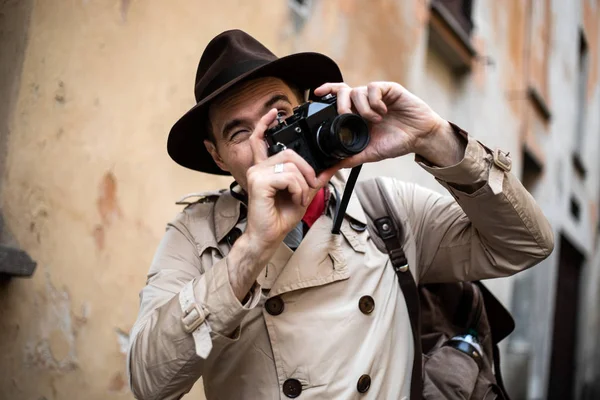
[[251, 291]]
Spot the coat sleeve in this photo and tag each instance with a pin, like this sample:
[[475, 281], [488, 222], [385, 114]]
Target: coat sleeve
[[162, 359], [489, 227]]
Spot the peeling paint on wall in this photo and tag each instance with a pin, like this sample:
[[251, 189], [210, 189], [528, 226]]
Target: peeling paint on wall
[[123, 340], [60, 93], [52, 345], [117, 383], [512, 13], [98, 235], [368, 42], [125, 4], [538, 48], [479, 66], [108, 206]]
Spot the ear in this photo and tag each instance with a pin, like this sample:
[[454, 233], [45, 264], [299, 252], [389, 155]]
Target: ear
[[212, 149]]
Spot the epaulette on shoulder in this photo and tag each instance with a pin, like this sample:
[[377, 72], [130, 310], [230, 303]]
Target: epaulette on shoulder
[[200, 198]]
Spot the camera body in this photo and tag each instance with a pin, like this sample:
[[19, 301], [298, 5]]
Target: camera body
[[319, 134]]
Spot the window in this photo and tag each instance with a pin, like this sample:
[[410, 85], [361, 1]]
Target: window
[[581, 104], [536, 42], [539, 31], [460, 10], [450, 28], [575, 209], [532, 170]]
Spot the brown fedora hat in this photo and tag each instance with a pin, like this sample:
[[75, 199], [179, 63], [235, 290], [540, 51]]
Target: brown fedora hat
[[230, 58]]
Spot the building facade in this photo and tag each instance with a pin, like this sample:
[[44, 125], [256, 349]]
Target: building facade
[[90, 90]]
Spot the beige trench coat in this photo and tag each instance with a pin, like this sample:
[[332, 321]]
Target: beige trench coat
[[304, 329]]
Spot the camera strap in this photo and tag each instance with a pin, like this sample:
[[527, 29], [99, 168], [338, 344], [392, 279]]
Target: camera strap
[[340, 208]]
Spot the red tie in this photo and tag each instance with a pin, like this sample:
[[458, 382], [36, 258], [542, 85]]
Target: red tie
[[315, 209]]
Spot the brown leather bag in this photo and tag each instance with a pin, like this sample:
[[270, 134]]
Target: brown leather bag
[[443, 368], [451, 309]]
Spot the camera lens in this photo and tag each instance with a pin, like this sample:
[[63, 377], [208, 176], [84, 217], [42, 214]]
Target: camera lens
[[347, 135]]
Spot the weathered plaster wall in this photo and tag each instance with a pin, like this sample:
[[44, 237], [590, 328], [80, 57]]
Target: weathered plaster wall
[[87, 185]]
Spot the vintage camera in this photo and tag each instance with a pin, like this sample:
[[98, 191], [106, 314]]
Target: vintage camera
[[319, 134]]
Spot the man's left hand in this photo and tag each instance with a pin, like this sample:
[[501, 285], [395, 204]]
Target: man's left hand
[[400, 123]]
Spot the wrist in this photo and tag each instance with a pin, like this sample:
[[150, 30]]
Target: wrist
[[424, 143], [441, 146], [244, 264], [249, 253], [245, 261], [262, 246]]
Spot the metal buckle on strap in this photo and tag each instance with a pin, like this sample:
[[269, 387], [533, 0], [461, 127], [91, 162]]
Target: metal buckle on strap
[[502, 160], [192, 318], [402, 268]]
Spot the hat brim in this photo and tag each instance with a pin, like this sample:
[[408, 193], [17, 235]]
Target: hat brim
[[185, 144]]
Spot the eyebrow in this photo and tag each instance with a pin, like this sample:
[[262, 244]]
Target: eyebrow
[[276, 99], [234, 123], [229, 126]]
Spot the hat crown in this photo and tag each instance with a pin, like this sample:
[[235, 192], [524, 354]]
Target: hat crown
[[227, 56]]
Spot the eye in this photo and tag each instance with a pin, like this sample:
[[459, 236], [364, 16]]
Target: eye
[[281, 113], [236, 133]]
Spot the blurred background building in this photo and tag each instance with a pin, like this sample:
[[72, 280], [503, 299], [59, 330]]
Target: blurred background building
[[89, 90]]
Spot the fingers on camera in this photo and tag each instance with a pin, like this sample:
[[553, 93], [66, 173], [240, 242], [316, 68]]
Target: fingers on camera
[[375, 96], [330, 88], [360, 100]]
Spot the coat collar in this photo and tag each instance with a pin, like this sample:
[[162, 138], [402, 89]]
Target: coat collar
[[226, 214]]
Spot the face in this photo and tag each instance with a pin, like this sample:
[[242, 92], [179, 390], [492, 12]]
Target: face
[[234, 115]]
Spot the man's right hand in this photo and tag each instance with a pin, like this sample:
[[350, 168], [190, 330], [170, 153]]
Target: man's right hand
[[277, 202]]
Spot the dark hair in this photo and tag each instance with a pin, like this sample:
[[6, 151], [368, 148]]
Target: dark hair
[[210, 135]]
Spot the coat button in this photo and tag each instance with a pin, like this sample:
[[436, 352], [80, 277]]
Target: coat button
[[363, 384], [292, 388], [274, 305], [366, 304]]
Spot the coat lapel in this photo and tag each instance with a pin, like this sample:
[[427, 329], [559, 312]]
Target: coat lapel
[[317, 261], [272, 270]]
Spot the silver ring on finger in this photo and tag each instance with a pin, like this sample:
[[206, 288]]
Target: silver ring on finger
[[278, 168]]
